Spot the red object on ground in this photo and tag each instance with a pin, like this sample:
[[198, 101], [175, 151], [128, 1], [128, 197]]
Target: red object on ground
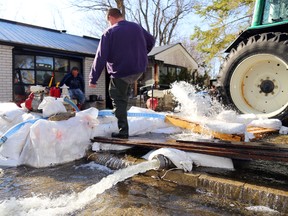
[[51, 91], [152, 103], [55, 92], [28, 101]]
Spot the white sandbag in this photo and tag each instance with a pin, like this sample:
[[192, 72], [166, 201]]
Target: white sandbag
[[12, 148], [28, 116], [137, 125], [57, 142], [89, 116], [142, 125], [50, 106], [283, 130], [248, 136], [6, 162], [5, 126], [105, 130], [7, 106], [184, 160], [10, 115], [227, 128], [179, 158], [106, 126], [205, 160], [267, 123]]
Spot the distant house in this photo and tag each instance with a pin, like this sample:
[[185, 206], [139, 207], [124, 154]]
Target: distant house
[[167, 64], [32, 55]]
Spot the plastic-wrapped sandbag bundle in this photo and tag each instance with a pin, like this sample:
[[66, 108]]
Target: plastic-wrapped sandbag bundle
[[60, 141], [185, 160], [50, 106], [143, 125], [12, 148], [10, 114]]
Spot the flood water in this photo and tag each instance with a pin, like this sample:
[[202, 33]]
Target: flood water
[[139, 195], [72, 189]]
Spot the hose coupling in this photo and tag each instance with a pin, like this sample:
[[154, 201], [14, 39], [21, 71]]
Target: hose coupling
[[165, 163]]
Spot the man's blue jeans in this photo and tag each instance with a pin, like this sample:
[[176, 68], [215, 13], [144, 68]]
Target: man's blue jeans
[[77, 94]]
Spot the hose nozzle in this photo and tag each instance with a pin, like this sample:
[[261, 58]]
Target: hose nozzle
[[165, 163]]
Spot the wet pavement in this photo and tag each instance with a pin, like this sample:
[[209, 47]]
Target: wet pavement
[[140, 195], [149, 194]]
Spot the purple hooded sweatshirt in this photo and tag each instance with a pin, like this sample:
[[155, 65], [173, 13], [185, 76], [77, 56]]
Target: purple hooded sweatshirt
[[123, 49]]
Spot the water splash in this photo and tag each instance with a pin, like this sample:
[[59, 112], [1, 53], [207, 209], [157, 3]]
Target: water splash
[[65, 204], [195, 105]]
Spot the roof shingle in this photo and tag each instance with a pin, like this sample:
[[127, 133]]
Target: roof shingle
[[35, 36]]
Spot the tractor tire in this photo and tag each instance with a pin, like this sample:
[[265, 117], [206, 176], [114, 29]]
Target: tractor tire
[[254, 76]]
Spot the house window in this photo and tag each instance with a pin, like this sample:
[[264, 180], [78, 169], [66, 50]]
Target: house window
[[61, 64], [164, 71], [24, 61], [38, 70], [44, 63], [169, 74]]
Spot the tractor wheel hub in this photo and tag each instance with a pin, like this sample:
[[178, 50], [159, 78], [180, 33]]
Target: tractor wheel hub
[[267, 86]]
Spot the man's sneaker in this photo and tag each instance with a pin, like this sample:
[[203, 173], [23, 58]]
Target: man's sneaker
[[119, 135]]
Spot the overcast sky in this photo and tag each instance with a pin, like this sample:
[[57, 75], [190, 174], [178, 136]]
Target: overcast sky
[[56, 14]]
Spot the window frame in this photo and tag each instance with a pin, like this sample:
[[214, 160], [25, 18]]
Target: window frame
[[26, 86]]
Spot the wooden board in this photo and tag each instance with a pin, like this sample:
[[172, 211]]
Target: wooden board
[[259, 132], [198, 128], [235, 150]]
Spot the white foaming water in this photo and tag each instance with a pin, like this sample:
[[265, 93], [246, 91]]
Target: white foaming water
[[261, 209], [65, 204], [200, 108], [194, 105], [94, 166]]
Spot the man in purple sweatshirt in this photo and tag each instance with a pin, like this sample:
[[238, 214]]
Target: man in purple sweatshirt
[[123, 50]]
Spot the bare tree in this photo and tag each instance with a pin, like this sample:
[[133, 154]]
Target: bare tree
[[159, 17], [58, 21], [99, 5]]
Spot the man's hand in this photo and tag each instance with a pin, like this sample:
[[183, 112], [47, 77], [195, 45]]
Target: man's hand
[[92, 85]]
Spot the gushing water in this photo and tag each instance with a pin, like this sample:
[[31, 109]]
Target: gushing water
[[195, 105], [65, 204]]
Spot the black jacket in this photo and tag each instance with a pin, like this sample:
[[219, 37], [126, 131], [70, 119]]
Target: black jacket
[[73, 82]]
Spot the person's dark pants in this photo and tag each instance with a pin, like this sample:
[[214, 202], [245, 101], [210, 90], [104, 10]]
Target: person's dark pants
[[119, 91]]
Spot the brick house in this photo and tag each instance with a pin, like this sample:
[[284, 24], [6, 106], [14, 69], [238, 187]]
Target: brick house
[[31, 55]]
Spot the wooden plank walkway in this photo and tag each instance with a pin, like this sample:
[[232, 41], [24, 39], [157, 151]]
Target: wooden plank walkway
[[200, 129], [234, 150]]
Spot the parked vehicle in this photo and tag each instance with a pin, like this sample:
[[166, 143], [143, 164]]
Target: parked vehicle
[[254, 76]]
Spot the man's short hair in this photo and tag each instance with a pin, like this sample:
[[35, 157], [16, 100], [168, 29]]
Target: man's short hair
[[74, 68], [114, 12]]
